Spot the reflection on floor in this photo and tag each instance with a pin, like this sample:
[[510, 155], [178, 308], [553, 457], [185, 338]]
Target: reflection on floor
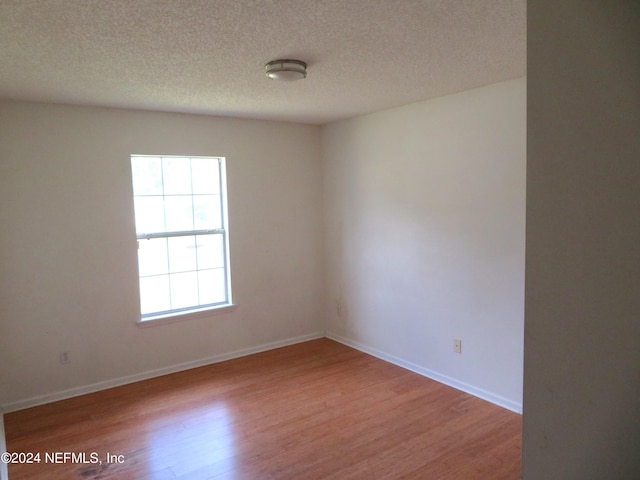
[[316, 410]]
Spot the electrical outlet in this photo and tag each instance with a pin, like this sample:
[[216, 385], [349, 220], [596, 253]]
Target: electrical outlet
[[457, 345], [65, 357]]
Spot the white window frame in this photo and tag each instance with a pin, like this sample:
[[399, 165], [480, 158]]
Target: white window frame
[[178, 314]]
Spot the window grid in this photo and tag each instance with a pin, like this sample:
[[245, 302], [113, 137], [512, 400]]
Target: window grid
[[195, 234]]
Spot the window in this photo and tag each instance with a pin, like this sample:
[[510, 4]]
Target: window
[[181, 225]]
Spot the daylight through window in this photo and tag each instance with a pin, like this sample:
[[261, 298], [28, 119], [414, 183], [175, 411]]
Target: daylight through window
[[180, 213]]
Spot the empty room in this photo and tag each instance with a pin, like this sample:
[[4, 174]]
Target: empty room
[[285, 239]]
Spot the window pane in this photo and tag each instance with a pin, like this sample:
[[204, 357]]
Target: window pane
[[154, 294], [176, 176], [206, 177], [179, 194], [149, 214], [179, 214], [147, 175], [182, 254], [210, 251], [184, 290], [206, 212], [212, 286], [152, 257]]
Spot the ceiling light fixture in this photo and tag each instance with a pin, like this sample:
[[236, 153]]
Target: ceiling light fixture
[[286, 70]]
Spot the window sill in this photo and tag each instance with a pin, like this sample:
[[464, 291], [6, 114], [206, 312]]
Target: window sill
[[182, 316]]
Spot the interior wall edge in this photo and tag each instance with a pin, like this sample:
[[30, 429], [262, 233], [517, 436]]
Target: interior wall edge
[[4, 471]]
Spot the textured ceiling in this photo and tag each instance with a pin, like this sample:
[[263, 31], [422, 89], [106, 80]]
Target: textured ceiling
[[208, 56]]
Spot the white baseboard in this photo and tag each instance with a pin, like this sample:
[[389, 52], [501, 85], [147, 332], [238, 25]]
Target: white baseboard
[[470, 389], [116, 382]]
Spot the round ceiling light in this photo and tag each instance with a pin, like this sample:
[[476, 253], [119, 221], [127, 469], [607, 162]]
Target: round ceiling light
[[286, 70]]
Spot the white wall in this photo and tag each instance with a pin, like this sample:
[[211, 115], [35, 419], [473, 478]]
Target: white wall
[[425, 226], [424, 240], [582, 344], [68, 248]]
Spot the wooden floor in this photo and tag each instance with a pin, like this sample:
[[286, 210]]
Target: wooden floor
[[316, 410]]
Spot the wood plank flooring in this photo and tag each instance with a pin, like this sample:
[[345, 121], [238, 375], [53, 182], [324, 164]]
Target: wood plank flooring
[[316, 410]]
